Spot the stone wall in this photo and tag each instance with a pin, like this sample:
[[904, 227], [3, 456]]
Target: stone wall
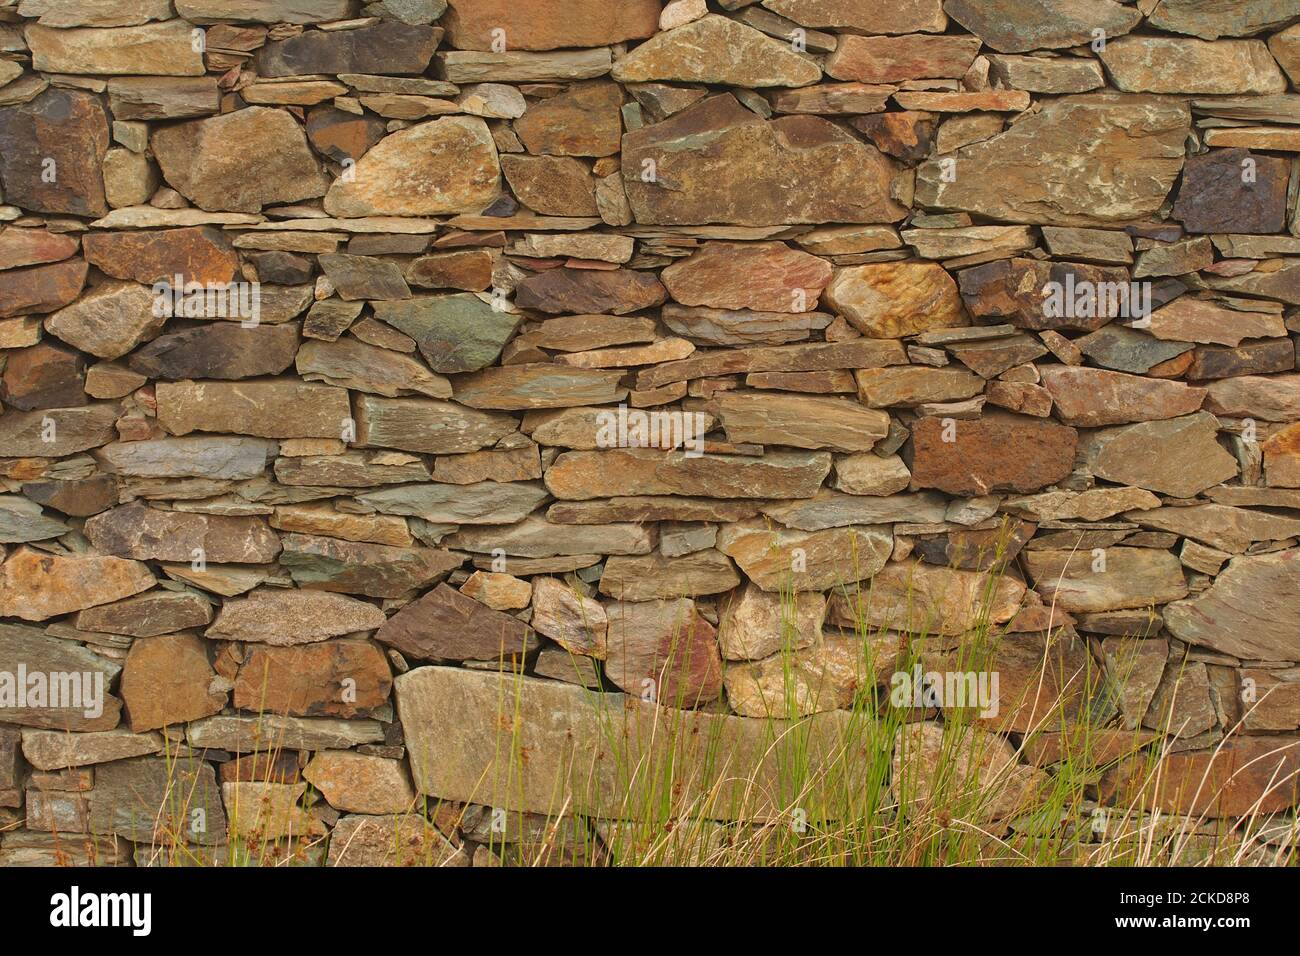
[[350, 348]]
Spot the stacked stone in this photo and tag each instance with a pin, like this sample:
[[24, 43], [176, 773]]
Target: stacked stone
[[840, 255]]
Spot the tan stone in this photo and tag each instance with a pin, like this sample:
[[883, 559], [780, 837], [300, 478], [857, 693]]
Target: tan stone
[[889, 299], [779, 559]]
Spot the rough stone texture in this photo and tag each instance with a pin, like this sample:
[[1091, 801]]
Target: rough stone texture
[[733, 356]]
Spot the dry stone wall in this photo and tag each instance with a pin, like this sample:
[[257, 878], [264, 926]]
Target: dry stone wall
[[348, 349]]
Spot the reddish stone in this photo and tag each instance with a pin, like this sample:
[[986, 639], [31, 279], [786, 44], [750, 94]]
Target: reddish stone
[[42, 288], [199, 254], [999, 452], [44, 376]]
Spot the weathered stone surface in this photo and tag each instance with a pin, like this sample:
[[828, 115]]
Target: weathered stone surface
[[762, 276], [919, 598], [455, 333], [26, 247], [150, 48], [1010, 26], [1089, 140], [109, 321], [427, 425], [22, 520], [551, 185], [800, 421], [910, 385], [486, 502], [715, 49], [1242, 776], [877, 59], [133, 98], [778, 559], [1178, 456], [581, 475], [590, 291], [448, 165], [448, 625], [515, 387], [199, 253], [29, 649], [248, 734], [387, 47], [331, 678], [1096, 504], [349, 363], [148, 615], [1142, 64], [1091, 397], [831, 509], [284, 618], [278, 408], [153, 798], [1129, 577], [41, 288], [584, 120], [1247, 612], [137, 531], [43, 376], [550, 24], [578, 624], [998, 452], [37, 586], [355, 567], [223, 350], [655, 576], [1215, 196], [54, 750], [357, 783], [928, 758], [73, 430], [197, 160], [214, 457], [403, 839], [665, 649], [756, 624], [725, 164], [1038, 74], [1273, 398], [167, 680], [536, 538], [889, 299]]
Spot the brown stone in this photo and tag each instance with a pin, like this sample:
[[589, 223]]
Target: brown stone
[[907, 134], [167, 681], [199, 254], [1178, 456], [582, 475], [538, 386], [137, 531], [663, 651], [35, 585], [716, 49], [725, 164], [1216, 196], [447, 165], [148, 615], [1031, 294], [1247, 612], [357, 783], [1273, 398], [879, 59], [1010, 26], [225, 350], [29, 247], [1242, 776], [67, 127], [343, 678], [584, 120], [550, 24], [1147, 64], [1089, 397], [889, 299], [1197, 320], [275, 408], [800, 421], [1089, 140], [588, 291], [43, 376], [1128, 578], [784, 559], [448, 625], [766, 276], [909, 385], [386, 47], [286, 617], [654, 576], [918, 598], [999, 452], [197, 160], [55, 432], [41, 288]]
